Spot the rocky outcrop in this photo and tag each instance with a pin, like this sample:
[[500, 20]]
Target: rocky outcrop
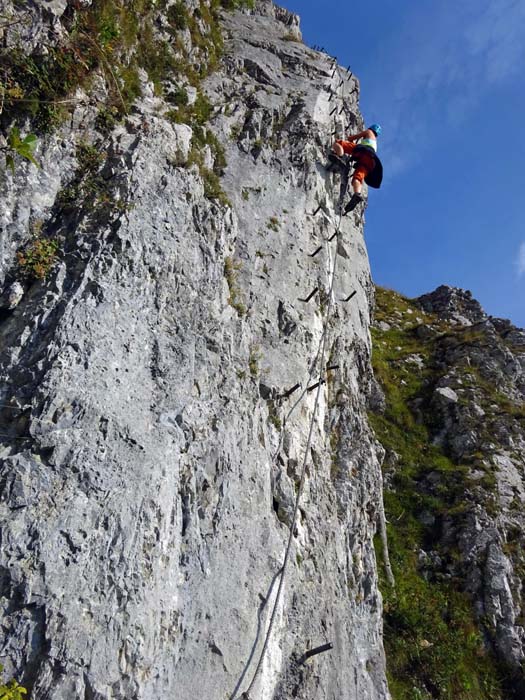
[[144, 516], [479, 404], [453, 304], [461, 381]]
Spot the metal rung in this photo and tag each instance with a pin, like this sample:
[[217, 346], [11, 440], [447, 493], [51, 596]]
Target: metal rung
[[348, 70], [350, 297], [331, 368], [289, 392], [314, 386], [332, 237], [312, 255], [310, 296], [314, 652], [333, 111], [317, 210], [341, 83]]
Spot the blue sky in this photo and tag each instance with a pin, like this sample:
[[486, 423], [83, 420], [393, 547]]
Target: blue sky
[[446, 80]]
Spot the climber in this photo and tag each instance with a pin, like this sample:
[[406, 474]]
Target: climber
[[361, 148]]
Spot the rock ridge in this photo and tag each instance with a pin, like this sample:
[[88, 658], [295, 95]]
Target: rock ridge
[[452, 424]]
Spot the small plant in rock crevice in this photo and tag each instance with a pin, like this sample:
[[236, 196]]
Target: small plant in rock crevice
[[196, 116], [37, 258], [273, 415], [253, 360], [18, 146], [178, 16], [231, 272], [273, 223], [235, 4], [88, 184], [11, 690]]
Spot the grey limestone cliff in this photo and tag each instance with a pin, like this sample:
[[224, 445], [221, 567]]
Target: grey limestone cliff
[[143, 513]]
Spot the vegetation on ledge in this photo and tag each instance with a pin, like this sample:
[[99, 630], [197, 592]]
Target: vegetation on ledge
[[117, 42], [435, 648]]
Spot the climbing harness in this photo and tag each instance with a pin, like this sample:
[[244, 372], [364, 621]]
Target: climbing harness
[[323, 368]]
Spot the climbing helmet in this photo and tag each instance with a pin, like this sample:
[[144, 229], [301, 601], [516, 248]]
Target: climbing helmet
[[376, 129]]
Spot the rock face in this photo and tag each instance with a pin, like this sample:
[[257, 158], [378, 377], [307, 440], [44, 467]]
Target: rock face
[[461, 381], [454, 305], [484, 368], [144, 516]]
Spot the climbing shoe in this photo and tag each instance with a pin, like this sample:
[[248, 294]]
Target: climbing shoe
[[335, 162], [352, 204]]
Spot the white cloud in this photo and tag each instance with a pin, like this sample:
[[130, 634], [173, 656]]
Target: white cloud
[[520, 262], [497, 38]]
